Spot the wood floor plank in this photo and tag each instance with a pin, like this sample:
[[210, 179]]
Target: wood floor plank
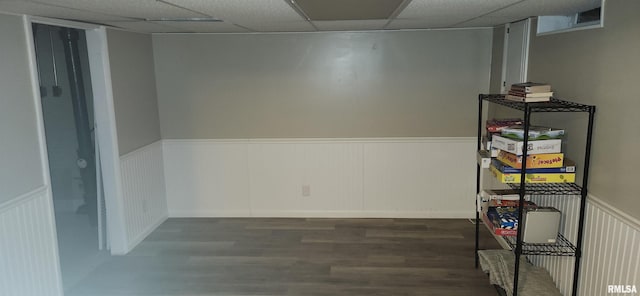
[[305, 257], [290, 227], [241, 260], [414, 234]]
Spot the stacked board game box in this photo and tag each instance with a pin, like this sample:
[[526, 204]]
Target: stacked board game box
[[516, 132], [533, 177], [495, 127], [502, 221], [545, 162], [533, 147]]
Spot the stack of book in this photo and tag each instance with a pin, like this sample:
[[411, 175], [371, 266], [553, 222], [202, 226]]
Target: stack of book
[[529, 92]]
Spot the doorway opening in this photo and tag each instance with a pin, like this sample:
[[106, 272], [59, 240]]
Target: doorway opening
[[67, 108]]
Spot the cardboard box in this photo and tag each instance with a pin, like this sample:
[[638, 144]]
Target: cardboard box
[[540, 225], [497, 230], [535, 133], [569, 167], [510, 203], [549, 160], [484, 159], [533, 178], [534, 147], [496, 125], [502, 194]]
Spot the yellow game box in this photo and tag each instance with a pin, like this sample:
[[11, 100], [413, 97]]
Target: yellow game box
[[534, 178], [535, 161]]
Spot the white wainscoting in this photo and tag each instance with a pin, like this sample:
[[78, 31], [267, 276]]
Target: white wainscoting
[[143, 188], [29, 263], [206, 178], [610, 249], [278, 171], [380, 177]]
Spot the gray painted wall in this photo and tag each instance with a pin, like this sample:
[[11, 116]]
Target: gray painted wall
[[134, 89], [496, 60], [338, 84], [601, 67], [20, 162]]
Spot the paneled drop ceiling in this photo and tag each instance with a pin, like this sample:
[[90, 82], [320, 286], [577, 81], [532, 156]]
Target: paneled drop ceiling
[[240, 16]]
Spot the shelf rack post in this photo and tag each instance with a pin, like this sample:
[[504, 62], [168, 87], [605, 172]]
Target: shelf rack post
[[518, 251], [583, 202], [480, 102]]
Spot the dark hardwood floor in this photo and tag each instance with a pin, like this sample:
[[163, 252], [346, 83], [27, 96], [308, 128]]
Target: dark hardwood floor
[[230, 256]]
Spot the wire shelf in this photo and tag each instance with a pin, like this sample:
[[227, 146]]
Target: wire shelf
[[549, 188], [554, 105], [562, 247]]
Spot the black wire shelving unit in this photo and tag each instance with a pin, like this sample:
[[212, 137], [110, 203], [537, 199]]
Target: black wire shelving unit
[[562, 247]]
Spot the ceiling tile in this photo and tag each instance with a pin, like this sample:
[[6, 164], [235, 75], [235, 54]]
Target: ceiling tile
[[529, 8], [279, 16], [145, 27], [333, 10], [431, 23], [142, 9], [421, 9], [350, 25], [38, 9], [245, 12], [294, 26], [487, 21], [206, 27]]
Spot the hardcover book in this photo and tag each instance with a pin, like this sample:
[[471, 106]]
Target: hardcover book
[[530, 87], [530, 95], [527, 99]]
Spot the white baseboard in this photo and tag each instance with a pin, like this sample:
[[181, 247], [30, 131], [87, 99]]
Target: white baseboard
[[142, 235], [322, 214], [209, 214]]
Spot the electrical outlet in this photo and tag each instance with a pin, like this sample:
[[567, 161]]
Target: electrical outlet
[[306, 190]]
